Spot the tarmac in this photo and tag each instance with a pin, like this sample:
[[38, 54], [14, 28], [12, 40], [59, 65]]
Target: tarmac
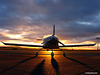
[[24, 62]]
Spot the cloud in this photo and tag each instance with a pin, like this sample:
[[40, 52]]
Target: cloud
[[76, 20]]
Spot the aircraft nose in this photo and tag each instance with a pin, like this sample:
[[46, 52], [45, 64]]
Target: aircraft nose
[[53, 39]]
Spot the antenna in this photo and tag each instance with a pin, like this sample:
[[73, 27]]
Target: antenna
[[53, 30]]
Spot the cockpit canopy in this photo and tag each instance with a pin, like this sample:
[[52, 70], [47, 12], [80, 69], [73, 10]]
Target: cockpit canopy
[[49, 38]]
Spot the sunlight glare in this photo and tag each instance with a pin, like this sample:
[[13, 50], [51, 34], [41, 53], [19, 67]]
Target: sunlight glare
[[45, 36], [14, 36]]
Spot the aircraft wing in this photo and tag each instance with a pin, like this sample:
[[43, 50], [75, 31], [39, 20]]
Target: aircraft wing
[[79, 45], [22, 45]]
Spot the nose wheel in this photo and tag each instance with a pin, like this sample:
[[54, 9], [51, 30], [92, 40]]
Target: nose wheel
[[52, 53]]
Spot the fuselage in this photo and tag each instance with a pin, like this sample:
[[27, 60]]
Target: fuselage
[[50, 42]]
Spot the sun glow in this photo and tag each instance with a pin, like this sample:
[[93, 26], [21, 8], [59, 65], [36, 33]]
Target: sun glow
[[21, 40], [45, 36], [65, 41], [49, 51], [14, 36]]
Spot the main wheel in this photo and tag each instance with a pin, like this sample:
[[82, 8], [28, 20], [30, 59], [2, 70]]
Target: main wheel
[[64, 54], [36, 53]]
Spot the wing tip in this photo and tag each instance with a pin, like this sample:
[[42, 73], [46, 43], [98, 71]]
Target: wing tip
[[3, 43], [95, 43]]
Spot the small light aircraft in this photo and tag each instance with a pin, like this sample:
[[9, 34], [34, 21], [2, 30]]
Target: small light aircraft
[[50, 42]]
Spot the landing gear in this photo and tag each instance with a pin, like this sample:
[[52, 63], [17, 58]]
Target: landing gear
[[64, 54], [37, 52], [47, 50], [52, 53]]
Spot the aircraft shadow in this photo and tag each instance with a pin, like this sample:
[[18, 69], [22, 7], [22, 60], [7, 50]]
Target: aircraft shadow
[[39, 69], [92, 68], [17, 64], [78, 62], [55, 65], [89, 68]]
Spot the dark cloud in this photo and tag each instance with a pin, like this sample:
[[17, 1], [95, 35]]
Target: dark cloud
[[75, 19]]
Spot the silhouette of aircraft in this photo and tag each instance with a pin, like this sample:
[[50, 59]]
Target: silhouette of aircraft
[[50, 42]]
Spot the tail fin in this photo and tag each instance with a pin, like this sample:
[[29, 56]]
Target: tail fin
[[53, 30]]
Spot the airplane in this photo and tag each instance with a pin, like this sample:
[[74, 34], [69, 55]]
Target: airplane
[[51, 42]]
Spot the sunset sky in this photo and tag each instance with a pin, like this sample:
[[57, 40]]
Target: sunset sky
[[25, 21]]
